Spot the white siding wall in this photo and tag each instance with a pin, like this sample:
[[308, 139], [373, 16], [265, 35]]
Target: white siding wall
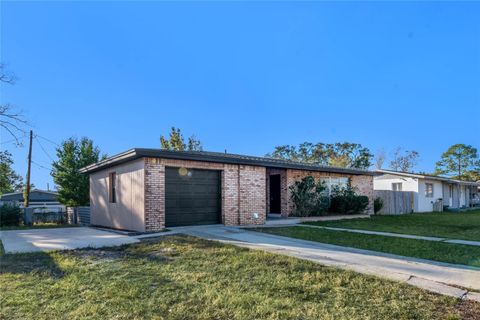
[[408, 184], [463, 194], [426, 204]]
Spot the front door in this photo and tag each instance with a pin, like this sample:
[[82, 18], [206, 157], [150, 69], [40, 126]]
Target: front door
[[275, 194]]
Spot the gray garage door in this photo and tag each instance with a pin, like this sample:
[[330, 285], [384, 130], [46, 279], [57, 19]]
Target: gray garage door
[[192, 197]]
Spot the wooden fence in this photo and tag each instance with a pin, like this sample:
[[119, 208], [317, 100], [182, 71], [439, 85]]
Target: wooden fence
[[395, 202]]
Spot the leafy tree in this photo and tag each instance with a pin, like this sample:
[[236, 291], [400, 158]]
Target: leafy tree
[[286, 152], [9, 180], [404, 160], [176, 142], [73, 186], [461, 162], [347, 155], [194, 144]]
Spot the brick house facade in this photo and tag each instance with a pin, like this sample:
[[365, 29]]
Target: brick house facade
[[244, 186], [236, 206]]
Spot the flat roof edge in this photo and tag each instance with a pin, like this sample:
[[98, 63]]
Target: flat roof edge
[[426, 177], [111, 161], [136, 153]]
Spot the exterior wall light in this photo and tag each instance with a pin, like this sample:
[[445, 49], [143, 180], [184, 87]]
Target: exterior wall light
[[183, 171]]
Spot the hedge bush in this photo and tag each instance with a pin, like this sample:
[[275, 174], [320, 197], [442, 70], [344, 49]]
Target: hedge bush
[[377, 204], [345, 200], [10, 215], [309, 198]]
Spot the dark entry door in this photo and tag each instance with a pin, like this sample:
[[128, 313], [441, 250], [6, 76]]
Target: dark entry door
[[275, 193], [192, 197]]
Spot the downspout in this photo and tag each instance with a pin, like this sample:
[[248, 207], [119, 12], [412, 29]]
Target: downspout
[[238, 194]]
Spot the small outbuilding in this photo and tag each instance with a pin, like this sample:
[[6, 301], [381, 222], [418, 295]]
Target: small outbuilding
[[147, 190]]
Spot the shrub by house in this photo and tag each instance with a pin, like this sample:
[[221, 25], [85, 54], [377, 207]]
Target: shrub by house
[[309, 197]]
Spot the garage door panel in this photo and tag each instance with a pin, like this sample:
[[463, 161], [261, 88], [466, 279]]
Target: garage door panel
[[192, 199]]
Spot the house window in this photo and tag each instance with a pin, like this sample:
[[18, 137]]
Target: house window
[[451, 191], [397, 186], [330, 183], [429, 190], [112, 191]]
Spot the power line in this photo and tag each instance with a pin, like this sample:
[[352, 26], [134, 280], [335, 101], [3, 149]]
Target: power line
[[46, 139], [40, 166], [43, 149]]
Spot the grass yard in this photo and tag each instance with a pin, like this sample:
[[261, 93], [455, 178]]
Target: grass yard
[[465, 225], [438, 251], [187, 278]]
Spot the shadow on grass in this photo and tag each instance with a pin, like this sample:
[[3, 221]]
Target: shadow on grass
[[25, 263]]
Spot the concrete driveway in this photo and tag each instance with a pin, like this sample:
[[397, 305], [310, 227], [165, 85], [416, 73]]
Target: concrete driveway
[[34, 240]]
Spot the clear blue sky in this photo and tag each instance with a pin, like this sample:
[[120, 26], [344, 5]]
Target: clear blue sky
[[244, 76]]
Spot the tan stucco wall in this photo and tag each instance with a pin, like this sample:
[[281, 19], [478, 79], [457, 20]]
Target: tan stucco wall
[[128, 212]]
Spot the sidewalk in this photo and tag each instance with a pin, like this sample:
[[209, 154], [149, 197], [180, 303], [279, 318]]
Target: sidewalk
[[278, 220], [397, 235], [437, 277]]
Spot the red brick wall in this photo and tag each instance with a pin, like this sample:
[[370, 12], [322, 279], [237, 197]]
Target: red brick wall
[[363, 183], [230, 208], [154, 194], [243, 191], [252, 195]]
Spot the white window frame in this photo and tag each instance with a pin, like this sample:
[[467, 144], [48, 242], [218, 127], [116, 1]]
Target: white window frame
[[397, 186], [428, 194], [331, 182]]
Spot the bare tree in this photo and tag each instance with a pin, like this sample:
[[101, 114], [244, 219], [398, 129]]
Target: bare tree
[[404, 160], [10, 119], [380, 159]]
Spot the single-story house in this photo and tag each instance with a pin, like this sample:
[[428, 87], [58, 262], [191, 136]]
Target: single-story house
[[41, 200], [149, 189], [429, 189]]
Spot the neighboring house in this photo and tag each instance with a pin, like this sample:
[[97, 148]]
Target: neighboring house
[[428, 189], [43, 200], [149, 189]]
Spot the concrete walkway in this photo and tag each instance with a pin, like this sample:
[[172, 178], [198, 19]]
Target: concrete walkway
[[396, 235], [437, 277], [278, 220], [35, 240]]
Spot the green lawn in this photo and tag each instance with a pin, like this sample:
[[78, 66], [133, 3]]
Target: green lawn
[[465, 225], [438, 251], [187, 278]]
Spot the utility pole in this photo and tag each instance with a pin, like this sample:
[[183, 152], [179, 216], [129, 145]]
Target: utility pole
[[26, 191]]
